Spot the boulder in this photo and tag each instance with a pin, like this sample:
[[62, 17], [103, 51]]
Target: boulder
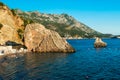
[[99, 43], [39, 39]]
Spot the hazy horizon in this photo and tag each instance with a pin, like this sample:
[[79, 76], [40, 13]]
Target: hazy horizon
[[102, 16]]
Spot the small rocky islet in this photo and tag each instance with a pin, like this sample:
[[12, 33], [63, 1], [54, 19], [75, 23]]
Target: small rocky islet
[[99, 43]]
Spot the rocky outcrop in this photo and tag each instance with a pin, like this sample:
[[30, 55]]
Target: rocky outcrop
[[99, 43], [39, 39], [9, 25]]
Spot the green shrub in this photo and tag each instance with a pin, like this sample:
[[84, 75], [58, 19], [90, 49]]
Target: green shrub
[[20, 33], [28, 21], [1, 4], [1, 25], [13, 12]]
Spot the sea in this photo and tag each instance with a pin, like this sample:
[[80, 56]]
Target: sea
[[87, 63]]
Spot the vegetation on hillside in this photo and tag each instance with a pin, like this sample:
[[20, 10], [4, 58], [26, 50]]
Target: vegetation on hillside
[[13, 12], [20, 33], [1, 4], [1, 25], [64, 24]]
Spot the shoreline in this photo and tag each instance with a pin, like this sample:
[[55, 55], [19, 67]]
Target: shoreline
[[5, 50], [91, 38], [9, 50]]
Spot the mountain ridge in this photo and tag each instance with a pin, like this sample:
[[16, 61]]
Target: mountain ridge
[[65, 25]]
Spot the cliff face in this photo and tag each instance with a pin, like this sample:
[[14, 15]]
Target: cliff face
[[9, 25], [39, 39]]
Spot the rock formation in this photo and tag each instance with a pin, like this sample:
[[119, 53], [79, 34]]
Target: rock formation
[[39, 39], [36, 38], [99, 43], [9, 25]]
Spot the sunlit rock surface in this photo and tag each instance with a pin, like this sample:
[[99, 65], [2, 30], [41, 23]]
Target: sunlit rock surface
[[39, 39], [99, 43], [9, 25]]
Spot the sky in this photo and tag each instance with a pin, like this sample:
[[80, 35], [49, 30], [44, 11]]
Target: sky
[[100, 15]]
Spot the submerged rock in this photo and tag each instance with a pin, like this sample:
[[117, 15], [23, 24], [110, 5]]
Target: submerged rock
[[39, 39], [99, 43]]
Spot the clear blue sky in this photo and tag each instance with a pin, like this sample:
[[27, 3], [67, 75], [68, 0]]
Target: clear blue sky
[[101, 15]]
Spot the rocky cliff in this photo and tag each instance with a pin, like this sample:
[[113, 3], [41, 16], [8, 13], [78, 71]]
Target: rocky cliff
[[36, 37], [39, 39], [65, 25], [10, 25]]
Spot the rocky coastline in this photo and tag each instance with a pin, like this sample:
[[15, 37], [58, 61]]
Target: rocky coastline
[[20, 36]]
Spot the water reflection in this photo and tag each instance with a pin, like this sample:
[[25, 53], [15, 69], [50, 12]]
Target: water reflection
[[87, 63], [29, 65]]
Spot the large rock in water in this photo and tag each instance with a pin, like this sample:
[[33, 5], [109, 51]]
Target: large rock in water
[[99, 43], [9, 24], [39, 39]]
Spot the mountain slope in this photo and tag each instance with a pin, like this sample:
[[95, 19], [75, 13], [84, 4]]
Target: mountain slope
[[64, 24]]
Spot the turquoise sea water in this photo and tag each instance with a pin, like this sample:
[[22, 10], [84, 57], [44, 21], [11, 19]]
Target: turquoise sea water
[[87, 63]]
